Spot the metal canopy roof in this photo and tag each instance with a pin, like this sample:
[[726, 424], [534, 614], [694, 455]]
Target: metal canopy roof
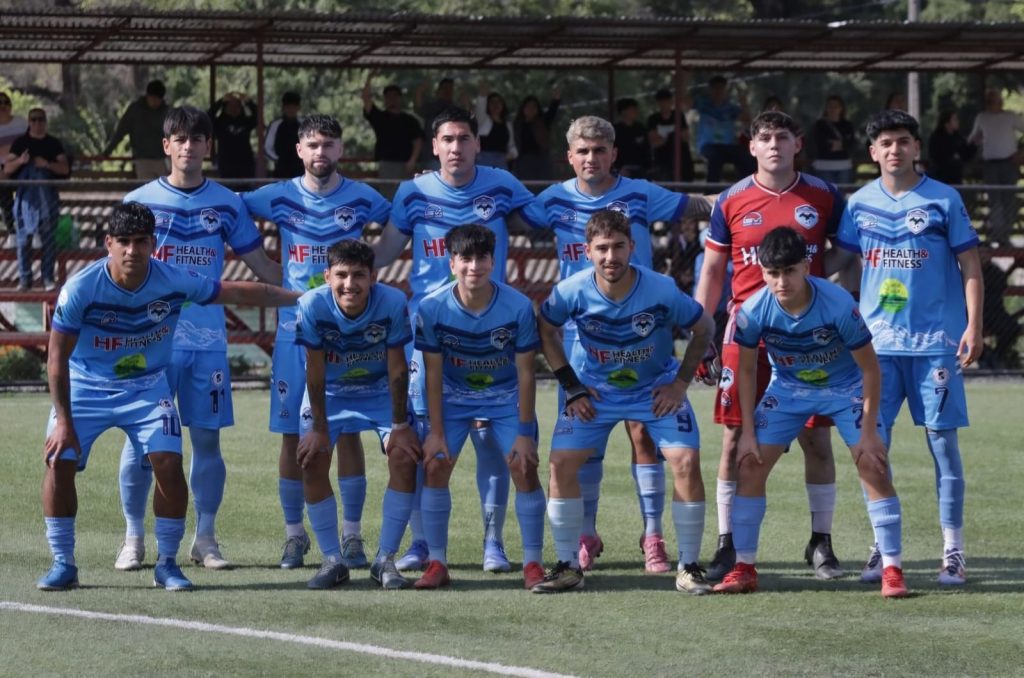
[[130, 36]]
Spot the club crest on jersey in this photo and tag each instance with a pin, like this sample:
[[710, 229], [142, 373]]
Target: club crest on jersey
[[217, 377], [209, 219], [806, 216], [725, 381], [618, 206], [643, 324], [158, 310], [345, 217], [500, 338], [822, 335], [374, 333], [753, 219], [162, 219], [109, 318], [296, 218], [568, 216], [484, 207], [917, 220], [770, 403]]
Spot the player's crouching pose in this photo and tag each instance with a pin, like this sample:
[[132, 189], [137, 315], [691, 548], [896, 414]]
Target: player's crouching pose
[[624, 315], [816, 340], [355, 331], [108, 353], [478, 339]]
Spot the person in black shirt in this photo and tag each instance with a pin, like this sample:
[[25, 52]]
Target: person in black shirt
[[497, 138], [283, 138], [948, 150], [834, 142], [661, 127], [234, 119], [532, 128], [399, 136], [634, 156]]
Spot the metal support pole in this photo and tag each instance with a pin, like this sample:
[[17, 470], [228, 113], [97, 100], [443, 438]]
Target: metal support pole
[[261, 159], [913, 79], [611, 95], [213, 100], [677, 121]]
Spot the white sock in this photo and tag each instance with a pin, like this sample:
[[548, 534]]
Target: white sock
[[821, 499], [895, 561], [351, 529], [294, 530], [724, 492], [952, 539]]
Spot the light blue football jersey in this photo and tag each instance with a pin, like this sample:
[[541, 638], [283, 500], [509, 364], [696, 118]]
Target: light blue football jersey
[[191, 229], [356, 349], [125, 337], [426, 208], [628, 343], [812, 350], [479, 349], [911, 291], [309, 224]]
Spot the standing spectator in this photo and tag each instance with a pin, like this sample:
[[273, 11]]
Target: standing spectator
[[143, 123], [533, 136], [948, 150], [283, 138], [834, 141], [234, 119], [716, 133], [444, 97], [634, 150], [36, 155], [661, 127], [497, 138], [399, 135], [995, 130], [11, 127], [683, 248]]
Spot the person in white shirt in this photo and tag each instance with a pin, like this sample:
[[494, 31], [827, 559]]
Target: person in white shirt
[[997, 132]]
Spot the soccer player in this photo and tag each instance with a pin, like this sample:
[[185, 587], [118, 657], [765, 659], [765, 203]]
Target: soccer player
[[195, 217], [775, 194], [425, 209], [921, 296], [478, 339], [108, 353], [565, 208], [355, 330], [625, 315], [822, 363], [312, 212]]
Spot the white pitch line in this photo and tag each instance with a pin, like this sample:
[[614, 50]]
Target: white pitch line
[[326, 643]]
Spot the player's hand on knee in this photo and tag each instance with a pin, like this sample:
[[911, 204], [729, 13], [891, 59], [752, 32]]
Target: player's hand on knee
[[435, 450], [748, 451], [870, 454], [710, 368], [523, 458], [310, 445], [63, 437], [668, 398], [404, 441]]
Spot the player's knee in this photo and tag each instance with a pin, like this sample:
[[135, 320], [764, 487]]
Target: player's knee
[[437, 474], [167, 469], [402, 467], [730, 443], [817, 445], [563, 467], [62, 474]]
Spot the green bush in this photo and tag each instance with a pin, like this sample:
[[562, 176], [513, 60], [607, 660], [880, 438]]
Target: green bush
[[17, 364]]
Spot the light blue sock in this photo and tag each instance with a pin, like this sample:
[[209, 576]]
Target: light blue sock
[[60, 533], [206, 478], [688, 518], [949, 476], [589, 477], [353, 497], [887, 521], [323, 518], [169, 533], [436, 510], [135, 481], [416, 517], [395, 510], [492, 481], [650, 489], [747, 516], [292, 499], [530, 509], [566, 519]]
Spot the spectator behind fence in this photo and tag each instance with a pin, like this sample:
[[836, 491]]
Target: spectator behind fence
[[533, 136], [11, 127], [497, 138], [996, 131], [234, 119], [283, 138], [143, 123], [948, 150], [36, 155], [716, 132], [834, 142], [682, 251], [399, 136], [444, 97], [633, 158], [661, 127]]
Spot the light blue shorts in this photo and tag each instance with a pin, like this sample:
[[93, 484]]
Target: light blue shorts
[[678, 430], [932, 385], [202, 382], [458, 421], [348, 415], [287, 385], [782, 414]]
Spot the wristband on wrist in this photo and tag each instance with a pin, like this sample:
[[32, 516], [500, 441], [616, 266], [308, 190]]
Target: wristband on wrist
[[528, 428], [401, 426], [567, 377]]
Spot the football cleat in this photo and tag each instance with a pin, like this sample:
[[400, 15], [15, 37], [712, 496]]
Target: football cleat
[[822, 558], [60, 577], [724, 559], [893, 585], [206, 552], [495, 559], [533, 574], [331, 573], [562, 577], [294, 550], [691, 580], [954, 569], [435, 576], [130, 556], [384, 572], [591, 547], [168, 575], [872, 572], [741, 579], [415, 558], [655, 558], [352, 552]]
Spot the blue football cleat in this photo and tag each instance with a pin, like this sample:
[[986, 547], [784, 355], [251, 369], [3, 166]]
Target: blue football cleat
[[61, 577], [168, 575], [495, 559]]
